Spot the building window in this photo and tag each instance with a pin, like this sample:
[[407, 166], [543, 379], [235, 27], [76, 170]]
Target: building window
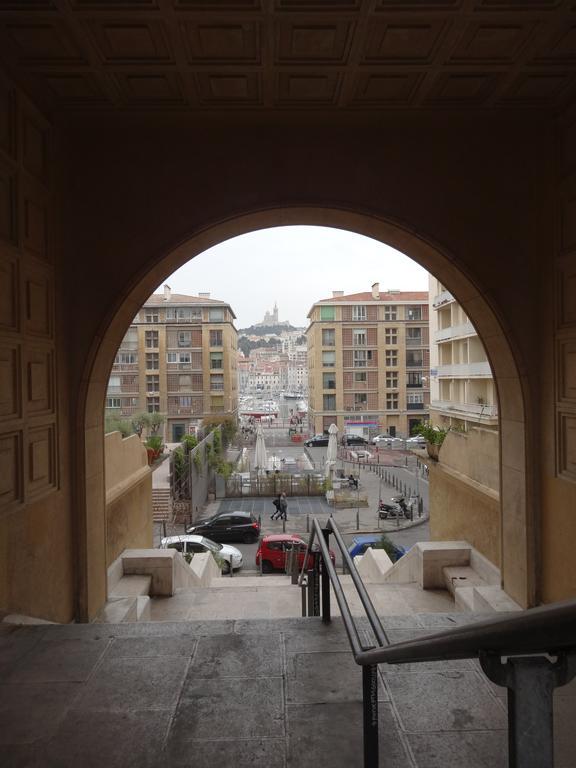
[[414, 380], [329, 359], [391, 335], [215, 338], [113, 402], [390, 313], [185, 401], [152, 383], [216, 360], [215, 315], [392, 357], [329, 402], [358, 312], [360, 399], [184, 339], [152, 361], [414, 336], [327, 313], [360, 377], [151, 339], [414, 397], [392, 401], [328, 337], [151, 315], [217, 381], [329, 380], [414, 359], [391, 380], [359, 337], [126, 358], [217, 402], [414, 313], [153, 404], [361, 357]]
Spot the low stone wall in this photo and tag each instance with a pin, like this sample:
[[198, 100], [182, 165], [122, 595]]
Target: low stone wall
[[128, 496], [464, 498]]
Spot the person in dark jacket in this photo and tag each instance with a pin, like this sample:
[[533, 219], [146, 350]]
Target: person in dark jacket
[[283, 507], [278, 504]]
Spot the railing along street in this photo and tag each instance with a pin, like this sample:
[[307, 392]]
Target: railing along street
[[530, 653]]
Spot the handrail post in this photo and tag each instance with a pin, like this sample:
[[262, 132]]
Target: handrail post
[[370, 712], [530, 681], [310, 589], [316, 585], [326, 618]]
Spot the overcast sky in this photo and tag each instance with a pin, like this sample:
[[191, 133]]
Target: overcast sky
[[295, 266]]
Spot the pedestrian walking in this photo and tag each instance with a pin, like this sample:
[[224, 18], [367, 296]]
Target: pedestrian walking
[[283, 507], [278, 504]]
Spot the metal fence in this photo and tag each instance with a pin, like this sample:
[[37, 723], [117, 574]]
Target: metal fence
[[254, 484]]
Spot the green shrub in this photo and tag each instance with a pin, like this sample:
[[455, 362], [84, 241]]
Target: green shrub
[[188, 442], [387, 546], [197, 461], [433, 435], [154, 442]]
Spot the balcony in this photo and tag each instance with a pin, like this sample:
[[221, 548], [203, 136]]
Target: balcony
[[414, 364], [125, 410], [479, 410], [123, 389], [415, 406], [357, 407], [462, 331], [441, 299], [465, 371], [183, 367], [414, 342], [125, 368]]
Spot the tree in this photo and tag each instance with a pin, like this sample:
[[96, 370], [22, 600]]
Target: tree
[[114, 423], [139, 423], [155, 421]]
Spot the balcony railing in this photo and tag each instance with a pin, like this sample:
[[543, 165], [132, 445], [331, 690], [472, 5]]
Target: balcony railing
[[445, 297], [455, 332], [126, 410], [465, 370], [415, 406], [414, 342], [125, 367], [482, 410], [183, 367], [123, 389]]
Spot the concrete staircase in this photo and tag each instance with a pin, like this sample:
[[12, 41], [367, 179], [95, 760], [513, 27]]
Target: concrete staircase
[[257, 693], [161, 505]]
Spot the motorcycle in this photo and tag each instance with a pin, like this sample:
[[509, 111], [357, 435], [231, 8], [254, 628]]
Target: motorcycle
[[398, 509]]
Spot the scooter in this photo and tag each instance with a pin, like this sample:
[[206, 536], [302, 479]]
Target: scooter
[[396, 510]]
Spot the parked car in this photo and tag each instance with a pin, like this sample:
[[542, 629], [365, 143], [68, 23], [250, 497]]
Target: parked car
[[228, 526], [415, 441], [316, 441], [388, 441], [368, 541], [354, 440], [273, 551], [192, 544], [361, 454]]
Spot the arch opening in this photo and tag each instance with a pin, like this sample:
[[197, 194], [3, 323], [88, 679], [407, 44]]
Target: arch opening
[[517, 528]]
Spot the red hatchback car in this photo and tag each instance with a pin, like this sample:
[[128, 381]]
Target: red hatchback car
[[273, 549]]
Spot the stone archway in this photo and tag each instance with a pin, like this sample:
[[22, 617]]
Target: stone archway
[[518, 524]]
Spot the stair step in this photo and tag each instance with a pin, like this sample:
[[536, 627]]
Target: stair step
[[461, 576], [131, 586]]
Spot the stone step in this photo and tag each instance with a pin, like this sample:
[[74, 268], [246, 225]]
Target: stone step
[[131, 586], [287, 691]]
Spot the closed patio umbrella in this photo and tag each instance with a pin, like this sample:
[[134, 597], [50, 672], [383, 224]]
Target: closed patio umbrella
[[260, 455], [332, 451]]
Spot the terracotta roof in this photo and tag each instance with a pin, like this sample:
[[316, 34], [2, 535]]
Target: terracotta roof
[[404, 296], [159, 300]]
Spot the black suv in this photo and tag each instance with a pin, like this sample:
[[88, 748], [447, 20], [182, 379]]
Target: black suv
[[354, 440], [228, 526], [316, 441]]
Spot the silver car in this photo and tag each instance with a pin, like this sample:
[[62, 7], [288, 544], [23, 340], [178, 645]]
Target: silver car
[[191, 544]]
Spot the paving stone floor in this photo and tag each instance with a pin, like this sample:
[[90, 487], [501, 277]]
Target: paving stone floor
[[244, 693]]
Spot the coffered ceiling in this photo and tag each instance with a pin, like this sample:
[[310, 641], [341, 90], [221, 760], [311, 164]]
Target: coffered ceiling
[[287, 54]]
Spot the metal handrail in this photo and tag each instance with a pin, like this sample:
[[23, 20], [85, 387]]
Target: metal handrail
[[524, 639], [548, 629]]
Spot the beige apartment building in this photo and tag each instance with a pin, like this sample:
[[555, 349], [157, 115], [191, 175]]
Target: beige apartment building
[[368, 362], [178, 358], [461, 384]]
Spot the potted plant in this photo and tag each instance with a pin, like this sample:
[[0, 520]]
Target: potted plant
[[434, 437]]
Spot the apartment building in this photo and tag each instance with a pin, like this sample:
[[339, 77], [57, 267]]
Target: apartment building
[[179, 358], [368, 362], [462, 389]]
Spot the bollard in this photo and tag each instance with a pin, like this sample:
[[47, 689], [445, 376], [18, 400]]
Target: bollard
[[283, 525], [357, 519], [307, 522]]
